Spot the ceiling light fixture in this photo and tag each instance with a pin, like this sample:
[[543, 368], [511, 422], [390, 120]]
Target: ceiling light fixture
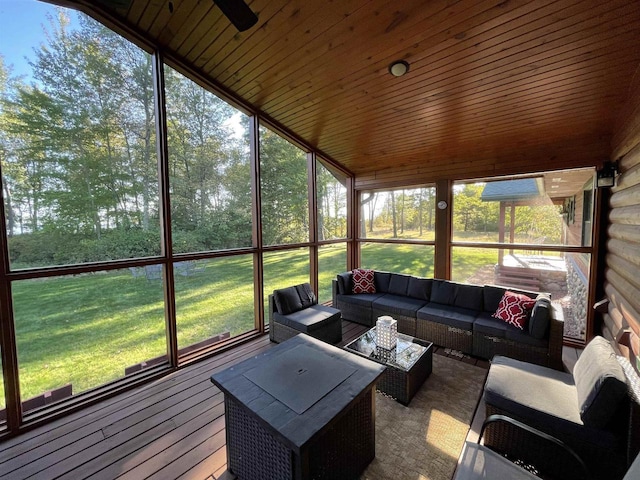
[[398, 68]]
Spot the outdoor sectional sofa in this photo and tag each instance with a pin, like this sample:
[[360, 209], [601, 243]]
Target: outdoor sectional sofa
[[455, 315]]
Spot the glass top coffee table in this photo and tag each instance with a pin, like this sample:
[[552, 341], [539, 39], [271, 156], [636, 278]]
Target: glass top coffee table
[[408, 365]]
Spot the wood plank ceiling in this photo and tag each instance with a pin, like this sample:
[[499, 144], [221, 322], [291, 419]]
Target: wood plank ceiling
[[494, 86]]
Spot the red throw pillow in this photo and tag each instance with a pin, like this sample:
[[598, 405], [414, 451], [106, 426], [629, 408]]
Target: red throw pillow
[[363, 281], [514, 308]]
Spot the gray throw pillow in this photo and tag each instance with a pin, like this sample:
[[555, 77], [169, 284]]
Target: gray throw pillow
[[600, 382]]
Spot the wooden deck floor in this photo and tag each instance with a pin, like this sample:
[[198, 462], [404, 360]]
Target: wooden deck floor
[[172, 428]]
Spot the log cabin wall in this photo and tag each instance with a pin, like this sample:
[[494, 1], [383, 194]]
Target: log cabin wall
[[622, 277]]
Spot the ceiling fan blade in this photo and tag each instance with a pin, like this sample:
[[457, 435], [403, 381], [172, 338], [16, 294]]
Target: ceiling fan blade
[[238, 12]]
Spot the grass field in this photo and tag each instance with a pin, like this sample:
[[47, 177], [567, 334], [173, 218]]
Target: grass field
[[86, 329]]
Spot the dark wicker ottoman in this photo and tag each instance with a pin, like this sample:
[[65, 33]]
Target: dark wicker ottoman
[[302, 410], [408, 365]]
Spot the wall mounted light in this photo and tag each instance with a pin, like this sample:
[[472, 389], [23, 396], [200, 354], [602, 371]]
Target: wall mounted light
[[606, 176], [398, 68]]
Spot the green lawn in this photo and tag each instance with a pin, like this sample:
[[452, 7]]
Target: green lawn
[[86, 329]]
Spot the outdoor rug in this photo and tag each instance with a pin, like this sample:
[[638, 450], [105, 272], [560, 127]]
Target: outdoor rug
[[424, 440]]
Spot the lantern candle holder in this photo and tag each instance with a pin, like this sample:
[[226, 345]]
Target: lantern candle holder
[[387, 332]]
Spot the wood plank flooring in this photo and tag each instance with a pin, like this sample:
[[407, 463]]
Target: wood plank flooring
[[172, 428]]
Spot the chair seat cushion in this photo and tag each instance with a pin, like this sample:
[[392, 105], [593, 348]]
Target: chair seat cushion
[[487, 325], [544, 398], [457, 317], [396, 304], [532, 390], [360, 299], [309, 319]]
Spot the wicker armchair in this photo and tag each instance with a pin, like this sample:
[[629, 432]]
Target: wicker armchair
[[479, 462]]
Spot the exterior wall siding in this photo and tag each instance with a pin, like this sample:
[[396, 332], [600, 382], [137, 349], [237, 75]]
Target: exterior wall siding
[[622, 277]]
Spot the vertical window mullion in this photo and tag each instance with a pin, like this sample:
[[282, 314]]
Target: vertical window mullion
[[256, 220], [165, 207]]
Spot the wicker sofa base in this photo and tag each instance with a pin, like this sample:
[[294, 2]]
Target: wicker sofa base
[[518, 445], [445, 335], [486, 346], [406, 325], [342, 452]]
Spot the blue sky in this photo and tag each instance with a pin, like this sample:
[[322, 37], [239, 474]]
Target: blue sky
[[21, 29]]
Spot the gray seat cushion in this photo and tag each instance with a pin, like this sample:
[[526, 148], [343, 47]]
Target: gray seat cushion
[[309, 319], [600, 382], [453, 316], [359, 299], [487, 325], [517, 335], [396, 304]]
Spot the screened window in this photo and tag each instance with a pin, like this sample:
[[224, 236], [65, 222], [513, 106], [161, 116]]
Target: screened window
[[398, 214], [209, 166], [79, 164], [285, 190], [77, 332], [332, 204]]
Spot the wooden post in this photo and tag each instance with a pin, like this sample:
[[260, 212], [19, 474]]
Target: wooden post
[[442, 256]]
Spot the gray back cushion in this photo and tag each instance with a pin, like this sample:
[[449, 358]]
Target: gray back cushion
[[469, 296], [345, 283], [287, 300], [492, 296], [600, 383], [419, 288], [443, 292], [540, 317], [307, 297], [398, 284], [381, 281]]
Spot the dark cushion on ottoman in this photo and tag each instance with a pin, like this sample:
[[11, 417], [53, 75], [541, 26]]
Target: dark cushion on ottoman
[[309, 319], [600, 382], [452, 316], [396, 304]]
